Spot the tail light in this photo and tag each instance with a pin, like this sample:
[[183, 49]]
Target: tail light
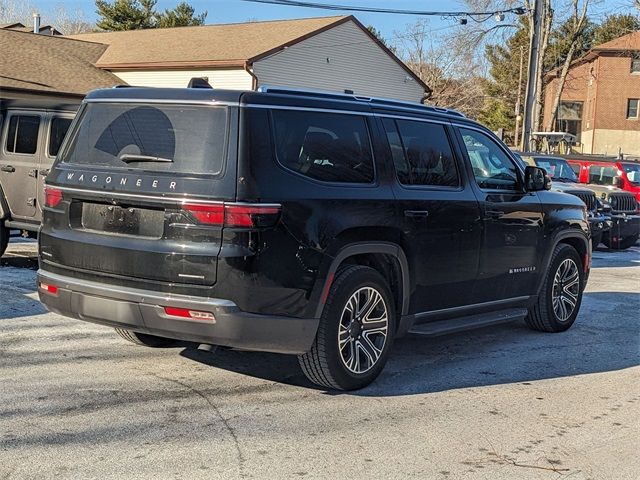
[[52, 197], [235, 215], [191, 314], [52, 289]]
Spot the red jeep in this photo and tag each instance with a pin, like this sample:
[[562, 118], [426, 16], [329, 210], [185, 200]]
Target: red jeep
[[617, 185]]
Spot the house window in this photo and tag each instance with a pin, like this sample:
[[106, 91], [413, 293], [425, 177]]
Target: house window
[[570, 118], [632, 108], [635, 63]]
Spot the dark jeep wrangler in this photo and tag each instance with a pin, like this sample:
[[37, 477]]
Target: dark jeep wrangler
[[309, 223]]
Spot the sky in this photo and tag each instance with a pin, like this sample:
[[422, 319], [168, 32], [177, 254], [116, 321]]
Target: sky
[[229, 11]]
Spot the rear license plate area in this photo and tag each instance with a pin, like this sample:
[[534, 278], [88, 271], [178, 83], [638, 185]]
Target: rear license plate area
[[120, 220]]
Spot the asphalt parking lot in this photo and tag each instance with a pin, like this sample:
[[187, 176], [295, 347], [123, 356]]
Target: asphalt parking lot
[[498, 403]]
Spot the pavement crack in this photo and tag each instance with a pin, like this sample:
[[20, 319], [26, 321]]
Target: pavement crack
[[216, 409]]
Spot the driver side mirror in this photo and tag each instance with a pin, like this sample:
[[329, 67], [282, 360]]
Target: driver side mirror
[[536, 179]]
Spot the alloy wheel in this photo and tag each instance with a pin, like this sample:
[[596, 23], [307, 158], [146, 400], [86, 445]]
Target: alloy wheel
[[566, 289], [363, 330]]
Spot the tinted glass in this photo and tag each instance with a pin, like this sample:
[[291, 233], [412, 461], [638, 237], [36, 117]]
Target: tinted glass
[[22, 136], [174, 138], [421, 153], [324, 146], [602, 175], [575, 168], [59, 127], [492, 168], [557, 169]]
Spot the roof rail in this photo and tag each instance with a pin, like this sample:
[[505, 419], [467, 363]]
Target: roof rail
[[351, 96]]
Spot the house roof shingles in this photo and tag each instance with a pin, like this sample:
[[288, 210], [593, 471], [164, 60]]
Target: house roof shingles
[[230, 44], [627, 42], [51, 64]]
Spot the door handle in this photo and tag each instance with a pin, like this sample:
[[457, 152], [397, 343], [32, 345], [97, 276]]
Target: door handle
[[417, 214], [494, 213], [8, 168]]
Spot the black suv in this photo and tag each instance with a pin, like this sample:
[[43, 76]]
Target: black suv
[[308, 223]]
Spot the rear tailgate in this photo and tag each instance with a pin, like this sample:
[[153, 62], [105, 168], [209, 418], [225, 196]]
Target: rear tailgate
[[136, 191]]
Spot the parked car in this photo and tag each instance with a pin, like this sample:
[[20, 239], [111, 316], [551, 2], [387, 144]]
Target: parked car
[[565, 180], [624, 174], [30, 140], [606, 177], [316, 224]]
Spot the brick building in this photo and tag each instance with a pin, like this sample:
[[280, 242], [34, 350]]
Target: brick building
[[600, 102]]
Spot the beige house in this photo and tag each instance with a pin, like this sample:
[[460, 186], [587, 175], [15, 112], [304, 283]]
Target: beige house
[[330, 53], [600, 102]]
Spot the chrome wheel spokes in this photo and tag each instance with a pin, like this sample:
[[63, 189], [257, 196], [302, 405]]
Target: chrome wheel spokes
[[362, 333], [565, 290]]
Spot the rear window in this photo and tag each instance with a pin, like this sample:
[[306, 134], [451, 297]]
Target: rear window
[[172, 138], [324, 146]]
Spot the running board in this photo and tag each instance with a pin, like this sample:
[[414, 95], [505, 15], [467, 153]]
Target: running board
[[443, 327]]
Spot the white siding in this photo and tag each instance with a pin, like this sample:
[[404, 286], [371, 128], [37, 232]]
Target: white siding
[[234, 79], [343, 57]]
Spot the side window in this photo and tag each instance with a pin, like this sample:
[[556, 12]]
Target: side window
[[22, 135], [57, 131], [421, 153], [492, 168], [325, 146], [575, 168], [602, 175]]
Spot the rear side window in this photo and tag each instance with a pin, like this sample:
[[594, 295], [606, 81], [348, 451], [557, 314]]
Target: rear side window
[[601, 175], [421, 153], [22, 135], [324, 146], [58, 130], [171, 138]]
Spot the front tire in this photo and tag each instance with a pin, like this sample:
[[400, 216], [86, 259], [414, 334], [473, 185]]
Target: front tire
[[355, 334], [561, 295], [145, 339], [4, 238]]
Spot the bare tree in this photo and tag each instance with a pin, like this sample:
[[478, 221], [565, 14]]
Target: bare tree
[[578, 23], [70, 22], [12, 11], [445, 65]]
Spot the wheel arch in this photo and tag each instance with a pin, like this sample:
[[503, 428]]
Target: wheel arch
[[372, 254], [574, 238], [4, 206]]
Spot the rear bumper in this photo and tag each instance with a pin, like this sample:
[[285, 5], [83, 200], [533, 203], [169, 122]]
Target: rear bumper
[[143, 311]]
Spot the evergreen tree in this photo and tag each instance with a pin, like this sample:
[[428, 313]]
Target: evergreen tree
[[181, 16], [141, 14], [615, 26]]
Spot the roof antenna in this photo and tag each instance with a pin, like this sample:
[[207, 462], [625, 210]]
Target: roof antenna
[[199, 82]]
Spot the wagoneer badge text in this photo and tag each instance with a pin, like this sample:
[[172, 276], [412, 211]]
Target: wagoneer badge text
[[122, 181]]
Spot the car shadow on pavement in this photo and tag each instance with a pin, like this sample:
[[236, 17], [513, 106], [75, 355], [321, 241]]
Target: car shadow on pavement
[[604, 338]]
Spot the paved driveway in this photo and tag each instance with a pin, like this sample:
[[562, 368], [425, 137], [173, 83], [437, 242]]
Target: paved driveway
[[499, 403]]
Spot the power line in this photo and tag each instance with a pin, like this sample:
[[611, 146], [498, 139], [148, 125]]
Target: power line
[[354, 8]]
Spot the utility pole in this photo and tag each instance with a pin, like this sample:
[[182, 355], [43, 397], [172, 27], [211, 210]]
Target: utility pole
[[516, 139], [532, 74]]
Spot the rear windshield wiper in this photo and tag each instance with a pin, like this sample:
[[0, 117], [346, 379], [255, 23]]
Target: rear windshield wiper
[[132, 157]]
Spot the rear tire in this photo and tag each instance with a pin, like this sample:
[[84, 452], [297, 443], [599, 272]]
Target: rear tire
[[4, 238], [561, 294], [620, 243], [356, 331], [145, 339]]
